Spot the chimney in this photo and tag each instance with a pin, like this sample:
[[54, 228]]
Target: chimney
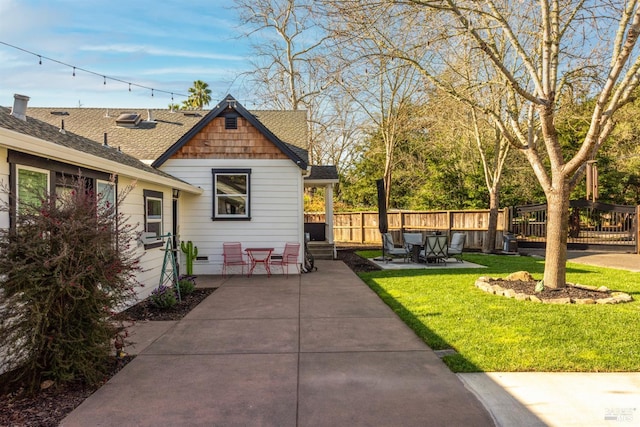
[[19, 109]]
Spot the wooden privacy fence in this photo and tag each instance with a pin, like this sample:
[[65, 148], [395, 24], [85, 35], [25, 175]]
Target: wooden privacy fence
[[362, 227]]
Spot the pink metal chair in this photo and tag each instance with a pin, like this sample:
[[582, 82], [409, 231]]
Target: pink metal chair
[[289, 256], [232, 255]]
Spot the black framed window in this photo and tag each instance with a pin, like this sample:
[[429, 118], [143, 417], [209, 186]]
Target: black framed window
[[231, 194]]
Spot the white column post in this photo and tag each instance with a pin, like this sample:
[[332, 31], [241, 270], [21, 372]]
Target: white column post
[[328, 212]]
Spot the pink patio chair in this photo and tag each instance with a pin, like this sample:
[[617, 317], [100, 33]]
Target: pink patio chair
[[289, 256], [232, 255]]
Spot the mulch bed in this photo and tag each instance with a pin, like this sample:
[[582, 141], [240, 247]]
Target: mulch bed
[[50, 406], [356, 262], [145, 310]]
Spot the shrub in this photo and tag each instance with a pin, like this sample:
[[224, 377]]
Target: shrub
[[163, 297], [66, 265], [186, 287]]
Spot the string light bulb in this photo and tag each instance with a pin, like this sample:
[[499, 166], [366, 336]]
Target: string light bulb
[[104, 77]]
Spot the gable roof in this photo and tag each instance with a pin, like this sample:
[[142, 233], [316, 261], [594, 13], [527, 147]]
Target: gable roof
[[229, 105], [150, 139], [51, 134]]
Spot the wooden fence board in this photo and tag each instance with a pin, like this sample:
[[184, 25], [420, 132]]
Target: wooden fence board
[[362, 227]]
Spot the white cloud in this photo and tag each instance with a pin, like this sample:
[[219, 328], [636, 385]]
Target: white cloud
[[128, 48]]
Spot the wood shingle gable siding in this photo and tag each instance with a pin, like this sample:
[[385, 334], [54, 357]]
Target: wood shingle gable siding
[[216, 142], [229, 107]]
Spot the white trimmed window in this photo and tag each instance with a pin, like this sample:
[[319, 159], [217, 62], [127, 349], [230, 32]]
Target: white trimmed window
[[32, 183], [153, 214], [231, 190]]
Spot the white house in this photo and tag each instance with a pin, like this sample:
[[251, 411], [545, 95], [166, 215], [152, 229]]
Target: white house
[[33, 151], [242, 172]]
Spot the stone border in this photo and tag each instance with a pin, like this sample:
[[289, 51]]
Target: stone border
[[485, 284]]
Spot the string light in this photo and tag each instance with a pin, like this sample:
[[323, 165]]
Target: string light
[[104, 77]]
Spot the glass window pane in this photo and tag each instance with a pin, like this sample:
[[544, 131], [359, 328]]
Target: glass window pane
[[31, 185], [106, 193], [154, 227], [154, 209], [232, 205], [231, 184]]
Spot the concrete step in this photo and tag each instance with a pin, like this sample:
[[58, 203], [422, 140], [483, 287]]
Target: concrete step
[[321, 250]]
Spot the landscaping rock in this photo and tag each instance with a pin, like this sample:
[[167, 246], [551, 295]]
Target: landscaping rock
[[523, 276]]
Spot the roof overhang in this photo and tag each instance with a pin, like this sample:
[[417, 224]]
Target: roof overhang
[[39, 147], [318, 182]]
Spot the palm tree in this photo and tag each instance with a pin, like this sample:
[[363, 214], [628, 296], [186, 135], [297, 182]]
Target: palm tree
[[199, 95]]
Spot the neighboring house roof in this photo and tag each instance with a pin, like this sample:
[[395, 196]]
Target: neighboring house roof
[[230, 105], [52, 134], [148, 140]]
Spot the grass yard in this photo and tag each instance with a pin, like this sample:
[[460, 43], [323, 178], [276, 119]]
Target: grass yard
[[494, 333]]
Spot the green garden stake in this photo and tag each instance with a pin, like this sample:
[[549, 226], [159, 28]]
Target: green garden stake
[[191, 253]]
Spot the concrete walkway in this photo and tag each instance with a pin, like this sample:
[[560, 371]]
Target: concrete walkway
[[314, 350]]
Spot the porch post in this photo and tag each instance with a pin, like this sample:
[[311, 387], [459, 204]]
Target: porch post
[[328, 212]]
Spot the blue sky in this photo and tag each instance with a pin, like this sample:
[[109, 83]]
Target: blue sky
[[163, 44]]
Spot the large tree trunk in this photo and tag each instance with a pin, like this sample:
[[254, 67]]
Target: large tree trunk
[[557, 226], [489, 244]]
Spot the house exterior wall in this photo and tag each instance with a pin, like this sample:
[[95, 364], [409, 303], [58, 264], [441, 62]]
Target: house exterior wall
[[276, 207], [133, 207]]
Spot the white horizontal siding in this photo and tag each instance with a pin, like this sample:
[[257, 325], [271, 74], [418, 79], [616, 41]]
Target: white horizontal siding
[[133, 207], [276, 208]]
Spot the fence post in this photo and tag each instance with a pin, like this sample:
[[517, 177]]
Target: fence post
[[638, 229], [361, 227]]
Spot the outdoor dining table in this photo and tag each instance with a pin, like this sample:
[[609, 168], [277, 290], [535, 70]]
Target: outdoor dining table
[[259, 256], [414, 241]]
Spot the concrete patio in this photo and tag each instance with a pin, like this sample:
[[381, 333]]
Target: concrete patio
[[319, 349]]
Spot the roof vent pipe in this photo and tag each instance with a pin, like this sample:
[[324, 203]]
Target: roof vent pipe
[[19, 109], [62, 127], [149, 116], [105, 140]]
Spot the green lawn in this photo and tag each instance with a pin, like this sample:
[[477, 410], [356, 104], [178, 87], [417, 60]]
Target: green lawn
[[494, 333]]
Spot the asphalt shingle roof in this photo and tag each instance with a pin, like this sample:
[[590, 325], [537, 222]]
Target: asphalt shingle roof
[[149, 140], [47, 132]]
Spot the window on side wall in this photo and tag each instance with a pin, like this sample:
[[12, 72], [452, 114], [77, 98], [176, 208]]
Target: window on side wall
[[152, 219], [106, 195], [231, 190], [32, 184]]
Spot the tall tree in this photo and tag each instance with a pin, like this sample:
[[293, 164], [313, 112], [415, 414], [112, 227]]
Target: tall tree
[[384, 89], [288, 59], [199, 95], [551, 45]]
